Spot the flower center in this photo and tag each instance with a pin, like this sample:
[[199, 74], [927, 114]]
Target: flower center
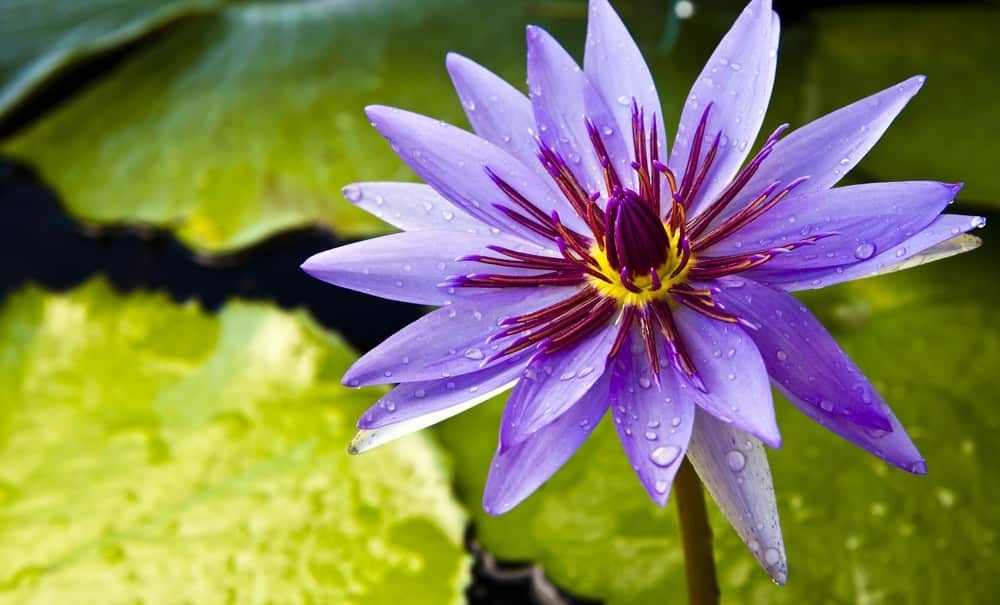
[[640, 257]]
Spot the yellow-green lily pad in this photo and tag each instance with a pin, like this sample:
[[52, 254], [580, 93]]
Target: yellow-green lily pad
[[152, 453]]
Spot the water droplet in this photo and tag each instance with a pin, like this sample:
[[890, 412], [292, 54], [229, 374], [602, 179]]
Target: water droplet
[[675, 421], [447, 215], [651, 435], [864, 251], [644, 382], [567, 375], [736, 460], [827, 406], [771, 556], [731, 376], [387, 373], [623, 100], [352, 192], [470, 104], [390, 406], [474, 354], [661, 487], [441, 266], [735, 66], [781, 355], [664, 455], [900, 252], [419, 393], [653, 424], [407, 268], [845, 161]]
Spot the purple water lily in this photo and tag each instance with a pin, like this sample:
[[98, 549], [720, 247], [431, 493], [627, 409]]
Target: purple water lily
[[580, 264]]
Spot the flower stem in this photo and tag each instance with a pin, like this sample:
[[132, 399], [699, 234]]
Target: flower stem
[[696, 536]]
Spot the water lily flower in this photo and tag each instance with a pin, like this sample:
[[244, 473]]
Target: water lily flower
[[584, 265]]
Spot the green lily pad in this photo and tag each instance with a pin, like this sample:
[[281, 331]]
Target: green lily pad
[[856, 530], [38, 42], [152, 453], [234, 126], [949, 131]]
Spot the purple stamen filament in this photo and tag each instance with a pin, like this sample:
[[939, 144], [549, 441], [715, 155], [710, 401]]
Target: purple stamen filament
[[642, 258]]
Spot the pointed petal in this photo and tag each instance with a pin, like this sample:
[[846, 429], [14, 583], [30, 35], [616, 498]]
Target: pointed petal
[[737, 81], [941, 239], [403, 266], [858, 219], [367, 439], [653, 418], [733, 466], [449, 341], [454, 162], [429, 399], [552, 383], [412, 207], [618, 71], [733, 372], [802, 357], [829, 147], [518, 471], [563, 99], [498, 112]]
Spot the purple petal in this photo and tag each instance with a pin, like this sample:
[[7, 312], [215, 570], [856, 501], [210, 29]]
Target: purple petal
[[733, 466], [449, 341], [801, 356], [498, 112], [519, 470], [454, 162], [403, 266], [653, 418], [563, 99], [412, 207], [737, 82], [435, 400], [829, 147], [733, 372], [941, 239], [552, 383], [618, 71], [858, 220], [892, 445]]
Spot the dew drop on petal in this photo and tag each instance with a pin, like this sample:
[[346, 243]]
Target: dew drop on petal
[[644, 382], [664, 455], [419, 393], [651, 435], [447, 215], [675, 421], [352, 192], [771, 556], [474, 354], [736, 460], [864, 251], [826, 405], [781, 355], [661, 487]]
